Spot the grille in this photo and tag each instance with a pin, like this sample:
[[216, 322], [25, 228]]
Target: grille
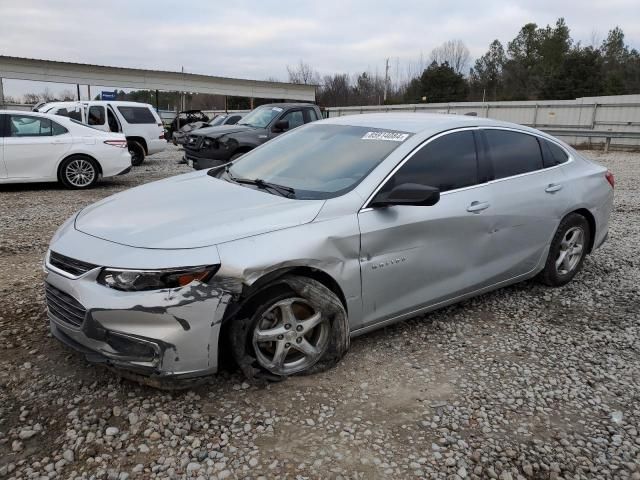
[[194, 141], [69, 265], [64, 307]]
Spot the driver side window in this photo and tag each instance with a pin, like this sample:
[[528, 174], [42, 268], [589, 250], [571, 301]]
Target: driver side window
[[294, 118], [447, 163]]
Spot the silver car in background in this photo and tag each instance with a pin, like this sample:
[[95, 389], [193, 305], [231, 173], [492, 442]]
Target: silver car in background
[[334, 229]]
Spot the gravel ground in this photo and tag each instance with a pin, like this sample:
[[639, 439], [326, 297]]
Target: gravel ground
[[525, 382]]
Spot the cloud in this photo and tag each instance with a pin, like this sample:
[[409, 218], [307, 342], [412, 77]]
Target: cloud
[[258, 39]]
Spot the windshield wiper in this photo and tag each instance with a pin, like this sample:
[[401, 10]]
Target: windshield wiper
[[281, 189]]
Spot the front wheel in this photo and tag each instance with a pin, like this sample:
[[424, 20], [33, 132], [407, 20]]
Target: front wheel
[[79, 172], [298, 326], [567, 251], [136, 150]]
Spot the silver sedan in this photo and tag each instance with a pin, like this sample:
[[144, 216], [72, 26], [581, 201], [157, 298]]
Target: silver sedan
[[334, 229]]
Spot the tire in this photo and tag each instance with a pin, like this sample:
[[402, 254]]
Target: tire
[[295, 327], [137, 152], [567, 251], [79, 172]]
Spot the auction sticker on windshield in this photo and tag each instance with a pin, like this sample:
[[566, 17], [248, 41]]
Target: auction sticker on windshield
[[391, 136]]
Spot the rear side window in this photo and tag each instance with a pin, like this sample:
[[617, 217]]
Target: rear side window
[[513, 153], [313, 116], [27, 126], [75, 114], [137, 115], [447, 163], [57, 129], [552, 154], [96, 115]]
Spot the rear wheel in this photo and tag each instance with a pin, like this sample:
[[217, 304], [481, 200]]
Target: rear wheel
[[296, 327], [136, 150], [79, 172], [567, 251]]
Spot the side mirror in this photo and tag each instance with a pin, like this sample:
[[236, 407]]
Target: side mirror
[[407, 194], [281, 126]]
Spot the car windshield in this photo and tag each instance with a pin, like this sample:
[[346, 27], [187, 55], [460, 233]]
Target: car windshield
[[317, 161], [261, 116]]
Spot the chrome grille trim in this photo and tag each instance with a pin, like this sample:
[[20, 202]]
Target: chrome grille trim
[[64, 307], [69, 265]]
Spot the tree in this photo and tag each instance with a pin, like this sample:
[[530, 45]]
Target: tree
[[335, 90], [486, 75], [303, 73], [453, 52], [579, 75], [438, 83]]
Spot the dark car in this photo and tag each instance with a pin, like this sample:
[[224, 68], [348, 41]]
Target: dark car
[[180, 137], [184, 118], [213, 146]]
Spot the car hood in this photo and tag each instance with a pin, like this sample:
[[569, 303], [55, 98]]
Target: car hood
[[190, 211], [220, 130]]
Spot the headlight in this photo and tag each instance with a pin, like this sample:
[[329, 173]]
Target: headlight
[[140, 280]]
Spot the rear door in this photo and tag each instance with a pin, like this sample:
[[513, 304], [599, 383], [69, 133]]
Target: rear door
[[529, 200], [33, 147], [3, 169], [416, 256]]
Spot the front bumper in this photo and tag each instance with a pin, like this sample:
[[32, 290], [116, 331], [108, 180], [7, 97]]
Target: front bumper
[[164, 333]]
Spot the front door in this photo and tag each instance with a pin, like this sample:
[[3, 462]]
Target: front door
[[295, 119], [416, 256], [3, 169], [97, 117], [31, 149]]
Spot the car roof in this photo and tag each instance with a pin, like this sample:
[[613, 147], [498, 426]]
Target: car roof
[[419, 122], [113, 102], [288, 104]]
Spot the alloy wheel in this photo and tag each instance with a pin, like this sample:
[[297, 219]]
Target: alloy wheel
[[290, 336], [80, 173], [571, 249]]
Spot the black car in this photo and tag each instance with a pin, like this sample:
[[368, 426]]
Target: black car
[[185, 118], [213, 146], [180, 137]]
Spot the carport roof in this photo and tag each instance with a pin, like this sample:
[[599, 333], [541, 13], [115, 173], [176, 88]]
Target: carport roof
[[121, 77]]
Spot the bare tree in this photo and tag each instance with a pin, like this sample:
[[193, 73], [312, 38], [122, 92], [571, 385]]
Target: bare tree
[[303, 73], [454, 52], [31, 98]]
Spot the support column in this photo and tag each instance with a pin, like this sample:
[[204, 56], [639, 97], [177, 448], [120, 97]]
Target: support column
[[1, 94], [89, 92], [157, 101], [251, 102], [78, 89]]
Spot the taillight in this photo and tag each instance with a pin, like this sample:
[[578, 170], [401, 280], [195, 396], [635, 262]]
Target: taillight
[[610, 179], [117, 143]]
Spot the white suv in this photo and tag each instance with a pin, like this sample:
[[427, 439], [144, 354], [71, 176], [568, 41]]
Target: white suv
[[139, 122]]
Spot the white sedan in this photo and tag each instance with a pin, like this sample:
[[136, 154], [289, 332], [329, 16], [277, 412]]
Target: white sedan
[[36, 147]]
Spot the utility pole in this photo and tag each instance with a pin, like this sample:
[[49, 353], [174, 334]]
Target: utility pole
[[386, 80]]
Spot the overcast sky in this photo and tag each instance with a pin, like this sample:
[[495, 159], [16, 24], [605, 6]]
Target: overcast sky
[[257, 39]]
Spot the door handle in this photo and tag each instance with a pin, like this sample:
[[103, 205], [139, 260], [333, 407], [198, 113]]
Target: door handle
[[477, 207], [553, 187]]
